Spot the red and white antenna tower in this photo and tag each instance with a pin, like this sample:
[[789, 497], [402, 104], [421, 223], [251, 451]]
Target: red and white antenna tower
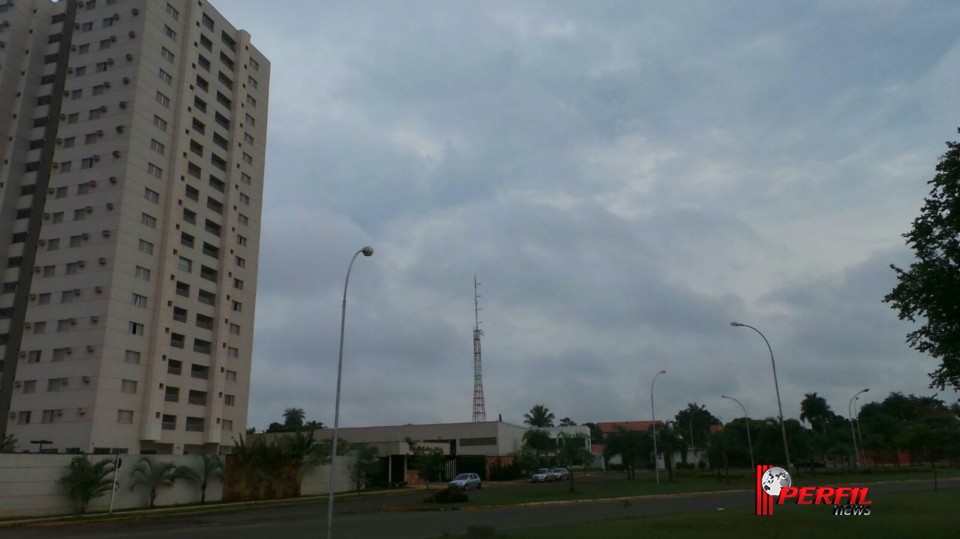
[[479, 408]]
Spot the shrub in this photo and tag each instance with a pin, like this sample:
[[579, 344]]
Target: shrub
[[448, 496]]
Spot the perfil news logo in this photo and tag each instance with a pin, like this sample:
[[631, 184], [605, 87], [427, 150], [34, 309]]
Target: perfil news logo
[[775, 482]]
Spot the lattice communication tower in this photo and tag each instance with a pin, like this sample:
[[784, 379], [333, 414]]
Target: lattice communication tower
[[479, 408]]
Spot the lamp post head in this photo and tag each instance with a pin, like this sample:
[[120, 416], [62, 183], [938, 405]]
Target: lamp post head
[[724, 397], [866, 389], [367, 251], [736, 324], [662, 372]]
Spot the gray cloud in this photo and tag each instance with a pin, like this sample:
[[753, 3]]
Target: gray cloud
[[624, 179]]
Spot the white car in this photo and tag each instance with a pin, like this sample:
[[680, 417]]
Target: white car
[[464, 481], [542, 475], [560, 474]]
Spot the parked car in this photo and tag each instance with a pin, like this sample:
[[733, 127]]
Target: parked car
[[465, 481], [542, 475], [560, 474]]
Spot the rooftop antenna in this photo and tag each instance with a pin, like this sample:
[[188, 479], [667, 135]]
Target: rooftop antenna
[[479, 408]]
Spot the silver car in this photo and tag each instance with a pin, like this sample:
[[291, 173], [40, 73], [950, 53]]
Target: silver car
[[465, 481], [560, 474], [541, 476]]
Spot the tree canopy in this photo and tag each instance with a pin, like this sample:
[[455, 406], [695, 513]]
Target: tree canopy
[[928, 292], [539, 416]]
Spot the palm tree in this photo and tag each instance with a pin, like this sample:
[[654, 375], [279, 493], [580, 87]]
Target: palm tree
[[567, 422], [293, 418], [815, 411], [211, 467], [87, 480], [539, 442], [152, 475], [8, 444], [539, 416]]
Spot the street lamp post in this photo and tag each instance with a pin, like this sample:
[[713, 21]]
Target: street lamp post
[[747, 419], [367, 251], [776, 385], [653, 414], [856, 452]]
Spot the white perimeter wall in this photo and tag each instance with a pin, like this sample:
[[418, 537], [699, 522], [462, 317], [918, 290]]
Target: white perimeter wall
[[29, 484]]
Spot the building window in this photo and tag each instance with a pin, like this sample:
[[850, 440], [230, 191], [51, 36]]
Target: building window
[[87, 162], [241, 262], [145, 247], [187, 240], [197, 397], [231, 376], [135, 328], [105, 44], [94, 114], [80, 71], [254, 65], [233, 352], [83, 49], [64, 324], [49, 271], [83, 188], [151, 195], [73, 268], [66, 296], [194, 424], [69, 142], [53, 244], [203, 62], [251, 121], [180, 314], [227, 425], [148, 220], [238, 284], [107, 22], [160, 122], [167, 31], [234, 329], [192, 193], [189, 216], [59, 354], [30, 386], [58, 217], [206, 21], [245, 178], [171, 394], [154, 170], [237, 307], [76, 94], [73, 117], [142, 273], [183, 289], [162, 99], [247, 138], [128, 386], [174, 367], [131, 356], [50, 416], [185, 264], [252, 82], [244, 199], [139, 301], [177, 340], [157, 146], [241, 240], [34, 356], [125, 416], [168, 422], [23, 418], [205, 41], [55, 384], [166, 54], [165, 77], [102, 66]]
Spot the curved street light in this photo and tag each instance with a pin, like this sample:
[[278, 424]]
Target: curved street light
[[366, 251], [856, 451], [653, 414], [776, 385], [747, 419]]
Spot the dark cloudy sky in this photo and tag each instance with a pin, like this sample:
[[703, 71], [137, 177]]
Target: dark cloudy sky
[[624, 178]]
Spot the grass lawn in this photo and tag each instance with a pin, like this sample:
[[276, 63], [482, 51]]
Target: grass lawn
[[930, 514]]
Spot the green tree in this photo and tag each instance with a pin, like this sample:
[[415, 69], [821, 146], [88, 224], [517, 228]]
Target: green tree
[[210, 467], [572, 451], [815, 411], [153, 475], [596, 433], [293, 418], [930, 288], [428, 461], [670, 442], [539, 442], [86, 481], [539, 417], [567, 422], [365, 467], [8, 444], [631, 445], [693, 424]]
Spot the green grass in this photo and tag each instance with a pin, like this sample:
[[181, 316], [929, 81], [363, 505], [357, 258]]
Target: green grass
[[928, 514]]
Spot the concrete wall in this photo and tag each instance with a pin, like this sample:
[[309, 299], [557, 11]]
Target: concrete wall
[[29, 484]]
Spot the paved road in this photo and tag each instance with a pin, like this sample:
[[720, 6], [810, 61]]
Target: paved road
[[363, 519]]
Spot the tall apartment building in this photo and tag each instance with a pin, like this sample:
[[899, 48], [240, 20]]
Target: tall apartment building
[[133, 136]]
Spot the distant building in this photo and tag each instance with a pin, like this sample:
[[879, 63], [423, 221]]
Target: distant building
[[133, 143]]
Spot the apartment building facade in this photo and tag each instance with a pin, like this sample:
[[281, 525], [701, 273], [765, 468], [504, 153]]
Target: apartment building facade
[[132, 137]]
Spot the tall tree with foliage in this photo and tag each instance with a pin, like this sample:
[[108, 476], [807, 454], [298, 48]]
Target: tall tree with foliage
[[572, 451], [693, 424], [428, 461], [365, 467], [539, 416], [631, 445], [930, 289], [538, 442], [87, 480], [815, 411]]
